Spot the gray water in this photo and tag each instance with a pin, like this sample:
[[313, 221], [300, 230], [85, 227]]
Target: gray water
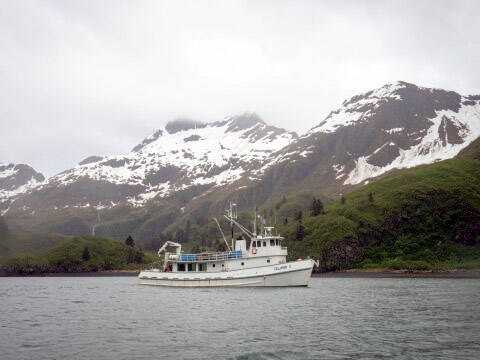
[[336, 318]]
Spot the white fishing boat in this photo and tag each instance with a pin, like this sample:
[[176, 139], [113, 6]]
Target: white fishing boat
[[259, 261]]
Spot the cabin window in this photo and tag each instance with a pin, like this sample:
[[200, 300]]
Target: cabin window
[[272, 242], [259, 244], [180, 267], [191, 267], [254, 244], [264, 243], [202, 267]]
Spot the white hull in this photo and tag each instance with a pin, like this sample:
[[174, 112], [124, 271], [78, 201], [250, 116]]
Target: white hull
[[295, 273]]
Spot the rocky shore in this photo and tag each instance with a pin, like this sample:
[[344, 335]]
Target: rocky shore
[[380, 273]]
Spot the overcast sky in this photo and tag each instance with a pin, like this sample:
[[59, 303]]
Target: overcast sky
[[80, 78]]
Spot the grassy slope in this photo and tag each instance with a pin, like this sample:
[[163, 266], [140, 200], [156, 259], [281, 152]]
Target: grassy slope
[[104, 254], [425, 217], [19, 242]]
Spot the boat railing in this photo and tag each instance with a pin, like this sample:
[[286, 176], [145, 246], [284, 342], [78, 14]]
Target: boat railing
[[237, 254]]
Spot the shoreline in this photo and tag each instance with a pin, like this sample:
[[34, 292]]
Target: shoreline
[[381, 273], [106, 273]]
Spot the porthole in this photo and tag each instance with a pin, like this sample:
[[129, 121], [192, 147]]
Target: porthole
[[213, 265], [268, 260], [223, 265], [243, 263]]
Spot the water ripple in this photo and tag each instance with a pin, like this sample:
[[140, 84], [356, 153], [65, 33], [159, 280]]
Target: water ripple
[[112, 318]]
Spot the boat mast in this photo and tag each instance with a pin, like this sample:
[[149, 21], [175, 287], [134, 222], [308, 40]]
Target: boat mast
[[231, 213], [255, 222]]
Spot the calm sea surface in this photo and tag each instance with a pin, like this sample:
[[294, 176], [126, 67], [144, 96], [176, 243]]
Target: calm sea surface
[[336, 318]]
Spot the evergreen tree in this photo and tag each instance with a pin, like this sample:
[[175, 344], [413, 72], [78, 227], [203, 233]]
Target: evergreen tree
[[298, 215], [129, 241], [317, 207], [86, 254], [285, 221], [342, 199], [370, 197], [300, 231]]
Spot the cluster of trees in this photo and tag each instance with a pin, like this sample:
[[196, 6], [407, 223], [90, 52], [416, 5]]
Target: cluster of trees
[[316, 209], [80, 254]]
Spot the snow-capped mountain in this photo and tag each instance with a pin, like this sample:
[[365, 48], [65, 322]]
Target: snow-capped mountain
[[190, 169], [181, 155], [396, 126], [16, 179]]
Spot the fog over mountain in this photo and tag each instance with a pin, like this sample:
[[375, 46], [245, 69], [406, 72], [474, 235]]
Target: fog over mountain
[[89, 77]]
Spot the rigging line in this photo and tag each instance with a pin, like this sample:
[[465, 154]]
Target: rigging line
[[241, 227], [221, 231]]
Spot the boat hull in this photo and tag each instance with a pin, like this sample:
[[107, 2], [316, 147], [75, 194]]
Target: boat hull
[[295, 273]]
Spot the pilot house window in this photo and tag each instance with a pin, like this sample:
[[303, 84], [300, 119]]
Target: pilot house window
[[272, 242], [264, 243]]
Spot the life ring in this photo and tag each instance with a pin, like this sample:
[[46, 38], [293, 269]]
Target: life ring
[[254, 251]]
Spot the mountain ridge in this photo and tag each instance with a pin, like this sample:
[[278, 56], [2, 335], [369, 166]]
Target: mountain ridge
[[189, 167]]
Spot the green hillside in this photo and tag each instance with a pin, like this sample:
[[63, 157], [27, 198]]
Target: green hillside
[[80, 254], [420, 218], [18, 242]]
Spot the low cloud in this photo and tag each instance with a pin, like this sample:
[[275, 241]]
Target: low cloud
[[82, 78]]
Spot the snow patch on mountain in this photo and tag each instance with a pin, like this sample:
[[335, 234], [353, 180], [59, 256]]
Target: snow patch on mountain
[[395, 130], [7, 171], [339, 168], [430, 149], [16, 179], [358, 108]]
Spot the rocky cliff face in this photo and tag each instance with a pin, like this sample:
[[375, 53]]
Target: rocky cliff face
[[15, 180], [397, 126]]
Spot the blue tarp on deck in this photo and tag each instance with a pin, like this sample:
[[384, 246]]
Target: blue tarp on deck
[[189, 257], [220, 256]]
